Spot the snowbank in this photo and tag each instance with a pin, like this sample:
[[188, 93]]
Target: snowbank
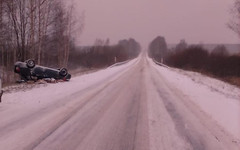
[[219, 99]]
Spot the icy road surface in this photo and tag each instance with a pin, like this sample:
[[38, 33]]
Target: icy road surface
[[135, 106]]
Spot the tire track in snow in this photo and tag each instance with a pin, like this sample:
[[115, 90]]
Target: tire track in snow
[[190, 136]]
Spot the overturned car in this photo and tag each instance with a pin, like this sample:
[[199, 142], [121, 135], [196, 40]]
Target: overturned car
[[28, 70]]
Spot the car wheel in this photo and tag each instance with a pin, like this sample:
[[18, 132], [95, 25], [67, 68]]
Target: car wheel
[[63, 72], [30, 63]]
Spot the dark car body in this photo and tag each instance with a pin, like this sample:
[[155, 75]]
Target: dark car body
[[29, 71]]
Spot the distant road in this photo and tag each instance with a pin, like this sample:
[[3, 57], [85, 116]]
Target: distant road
[[136, 110]]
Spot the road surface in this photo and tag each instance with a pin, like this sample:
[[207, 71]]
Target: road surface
[[137, 110]]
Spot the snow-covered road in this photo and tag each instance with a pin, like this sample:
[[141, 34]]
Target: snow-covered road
[[138, 105]]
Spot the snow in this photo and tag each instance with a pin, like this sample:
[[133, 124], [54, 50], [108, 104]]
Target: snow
[[44, 95], [218, 99]]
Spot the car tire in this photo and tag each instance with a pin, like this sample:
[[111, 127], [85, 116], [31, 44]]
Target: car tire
[[30, 63], [63, 72]]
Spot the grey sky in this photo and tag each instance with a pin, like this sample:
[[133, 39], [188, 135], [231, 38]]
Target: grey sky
[[193, 20]]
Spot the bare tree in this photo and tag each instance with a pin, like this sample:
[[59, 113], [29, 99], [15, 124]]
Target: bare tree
[[234, 23], [32, 28], [18, 15], [70, 24], [158, 48], [220, 50], [182, 45], [1, 18], [43, 8], [1, 37]]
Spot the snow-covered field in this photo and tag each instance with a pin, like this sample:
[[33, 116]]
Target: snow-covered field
[[218, 99]]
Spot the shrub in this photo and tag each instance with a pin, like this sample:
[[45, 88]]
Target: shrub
[[194, 57], [219, 63]]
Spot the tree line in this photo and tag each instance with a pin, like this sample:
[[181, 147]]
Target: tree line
[[101, 54], [218, 62]]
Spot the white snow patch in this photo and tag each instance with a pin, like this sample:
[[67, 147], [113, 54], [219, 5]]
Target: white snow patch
[[219, 99]]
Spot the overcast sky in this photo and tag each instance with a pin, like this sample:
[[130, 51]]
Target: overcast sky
[[193, 20]]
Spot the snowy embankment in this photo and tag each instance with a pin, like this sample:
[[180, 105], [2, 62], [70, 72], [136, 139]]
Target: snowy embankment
[[218, 99], [49, 93]]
